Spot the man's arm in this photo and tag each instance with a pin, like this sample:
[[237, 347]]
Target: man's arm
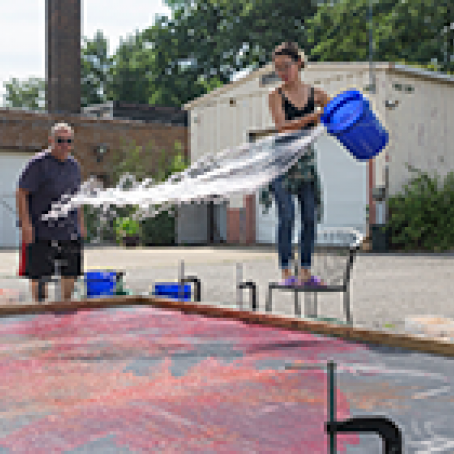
[[83, 230], [24, 215]]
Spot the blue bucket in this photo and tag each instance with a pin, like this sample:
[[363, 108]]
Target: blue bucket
[[174, 291], [100, 283], [348, 117]]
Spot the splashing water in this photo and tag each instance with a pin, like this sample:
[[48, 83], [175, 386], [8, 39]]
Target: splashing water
[[214, 178]]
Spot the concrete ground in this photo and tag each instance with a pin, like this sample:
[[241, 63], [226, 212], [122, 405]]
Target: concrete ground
[[385, 288]]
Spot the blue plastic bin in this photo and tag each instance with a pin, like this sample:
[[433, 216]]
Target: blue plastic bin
[[100, 283], [349, 118], [174, 291]]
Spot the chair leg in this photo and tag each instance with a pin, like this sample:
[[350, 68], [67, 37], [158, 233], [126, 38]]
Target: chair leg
[[315, 311], [347, 307], [41, 290], [297, 305], [269, 302], [310, 304]]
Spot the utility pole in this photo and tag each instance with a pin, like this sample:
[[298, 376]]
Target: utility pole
[[371, 49]]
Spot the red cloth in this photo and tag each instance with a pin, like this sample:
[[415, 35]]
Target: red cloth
[[22, 260]]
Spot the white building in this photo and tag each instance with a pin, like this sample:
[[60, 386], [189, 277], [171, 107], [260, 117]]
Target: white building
[[11, 166], [415, 106]]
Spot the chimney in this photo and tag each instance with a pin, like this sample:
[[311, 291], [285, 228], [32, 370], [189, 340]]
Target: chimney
[[63, 49]]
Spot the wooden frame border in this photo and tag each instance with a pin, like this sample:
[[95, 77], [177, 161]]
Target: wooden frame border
[[405, 341]]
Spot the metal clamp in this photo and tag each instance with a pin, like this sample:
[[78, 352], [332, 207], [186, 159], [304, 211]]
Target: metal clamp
[[252, 290], [197, 287]]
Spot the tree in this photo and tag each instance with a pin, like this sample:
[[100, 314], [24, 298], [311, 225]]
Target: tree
[[95, 79], [130, 72], [176, 4], [206, 42], [29, 93], [96, 70], [410, 32]]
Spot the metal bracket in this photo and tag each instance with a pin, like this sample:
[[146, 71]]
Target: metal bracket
[[252, 290], [197, 287]]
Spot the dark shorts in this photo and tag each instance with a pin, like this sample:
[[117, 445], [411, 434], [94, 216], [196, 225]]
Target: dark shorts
[[41, 257]]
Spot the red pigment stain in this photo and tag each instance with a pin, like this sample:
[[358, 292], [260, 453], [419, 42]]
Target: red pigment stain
[[73, 369]]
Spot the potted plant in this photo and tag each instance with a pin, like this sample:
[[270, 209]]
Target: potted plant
[[127, 231]]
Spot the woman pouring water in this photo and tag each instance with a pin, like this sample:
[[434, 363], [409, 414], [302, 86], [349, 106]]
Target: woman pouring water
[[293, 107]]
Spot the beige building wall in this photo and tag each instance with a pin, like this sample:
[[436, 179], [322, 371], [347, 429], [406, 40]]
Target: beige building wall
[[421, 127], [224, 117]]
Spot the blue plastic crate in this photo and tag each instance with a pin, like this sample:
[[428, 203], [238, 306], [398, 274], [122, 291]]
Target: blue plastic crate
[[174, 291]]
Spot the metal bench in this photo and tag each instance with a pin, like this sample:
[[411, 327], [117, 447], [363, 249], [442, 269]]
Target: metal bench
[[334, 254]]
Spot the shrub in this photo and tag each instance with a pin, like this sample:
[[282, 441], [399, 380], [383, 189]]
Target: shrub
[[159, 231], [130, 159], [421, 217], [126, 227]]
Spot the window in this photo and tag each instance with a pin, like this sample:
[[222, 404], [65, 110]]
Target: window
[[268, 79]]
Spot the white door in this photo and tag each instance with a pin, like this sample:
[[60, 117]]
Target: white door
[[344, 181], [11, 166]]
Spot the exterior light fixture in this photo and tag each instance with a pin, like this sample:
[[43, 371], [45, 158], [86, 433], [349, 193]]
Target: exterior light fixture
[[100, 151]]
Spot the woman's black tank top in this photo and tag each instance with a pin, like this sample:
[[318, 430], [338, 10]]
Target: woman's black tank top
[[292, 112]]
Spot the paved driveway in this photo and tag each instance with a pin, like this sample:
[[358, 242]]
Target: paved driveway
[[385, 288]]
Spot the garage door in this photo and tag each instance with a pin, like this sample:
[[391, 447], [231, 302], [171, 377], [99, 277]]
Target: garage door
[[11, 165], [345, 193]]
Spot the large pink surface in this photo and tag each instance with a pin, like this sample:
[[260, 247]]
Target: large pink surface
[[70, 380]]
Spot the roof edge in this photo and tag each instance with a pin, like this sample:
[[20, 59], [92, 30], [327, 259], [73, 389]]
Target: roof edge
[[420, 72], [268, 67], [359, 66]]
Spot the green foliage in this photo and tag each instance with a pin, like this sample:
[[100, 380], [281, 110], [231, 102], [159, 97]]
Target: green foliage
[[91, 223], [126, 227], [206, 42], [161, 229], [130, 74], [96, 70], [177, 4], [98, 226], [95, 79], [202, 46], [422, 215], [130, 159], [29, 93], [412, 32]]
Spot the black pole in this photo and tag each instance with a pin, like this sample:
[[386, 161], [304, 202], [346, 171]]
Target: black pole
[[41, 290], [371, 48], [332, 404]]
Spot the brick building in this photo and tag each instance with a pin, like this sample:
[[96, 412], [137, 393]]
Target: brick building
[[106, 128], [23, 133]]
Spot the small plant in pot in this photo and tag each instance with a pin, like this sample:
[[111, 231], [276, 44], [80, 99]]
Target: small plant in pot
[[127, 231]]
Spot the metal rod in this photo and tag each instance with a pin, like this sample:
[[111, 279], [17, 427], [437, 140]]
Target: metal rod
[[58, 286], [41, 290], [371, 49], [181, 281], [332, 404], [239, 280]]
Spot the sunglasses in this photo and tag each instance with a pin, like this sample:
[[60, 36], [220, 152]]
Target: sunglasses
[[60, 140], [283, 68]]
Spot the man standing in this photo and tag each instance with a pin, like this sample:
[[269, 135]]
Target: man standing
[[47, 177]]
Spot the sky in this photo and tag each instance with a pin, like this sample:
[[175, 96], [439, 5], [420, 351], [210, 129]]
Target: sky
[[23, 34]]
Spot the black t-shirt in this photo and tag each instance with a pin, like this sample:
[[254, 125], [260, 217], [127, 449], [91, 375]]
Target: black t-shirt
[[48, 179]]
